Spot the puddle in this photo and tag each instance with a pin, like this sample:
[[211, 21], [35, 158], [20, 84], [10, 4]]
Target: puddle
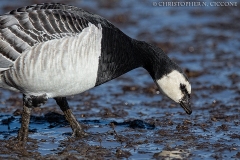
[[127, 118]]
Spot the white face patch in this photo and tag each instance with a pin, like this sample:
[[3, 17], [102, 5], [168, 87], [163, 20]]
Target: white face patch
[[170, 85]]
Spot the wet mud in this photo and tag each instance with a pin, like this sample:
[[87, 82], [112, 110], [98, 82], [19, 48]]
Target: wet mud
[[128, 118]]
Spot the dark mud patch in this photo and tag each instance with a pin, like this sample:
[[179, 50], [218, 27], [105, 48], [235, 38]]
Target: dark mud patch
[[134, 124]]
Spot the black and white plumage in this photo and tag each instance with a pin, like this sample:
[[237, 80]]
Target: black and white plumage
[[54, 50]]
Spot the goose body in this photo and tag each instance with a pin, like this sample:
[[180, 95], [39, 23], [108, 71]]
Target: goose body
[[53, 50], [72, 62]]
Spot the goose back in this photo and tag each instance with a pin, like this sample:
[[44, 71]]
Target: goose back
[[28, 26]]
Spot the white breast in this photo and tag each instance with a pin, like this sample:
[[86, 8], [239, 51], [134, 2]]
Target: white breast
[[60, 67]]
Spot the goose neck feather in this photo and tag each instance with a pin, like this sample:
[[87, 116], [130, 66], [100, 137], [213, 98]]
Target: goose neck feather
[[154, 60]]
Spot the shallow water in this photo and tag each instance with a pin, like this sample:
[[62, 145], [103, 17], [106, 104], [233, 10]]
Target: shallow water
[[127, 117]]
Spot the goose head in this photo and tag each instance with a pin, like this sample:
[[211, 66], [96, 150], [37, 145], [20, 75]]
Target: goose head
[[176, 86]]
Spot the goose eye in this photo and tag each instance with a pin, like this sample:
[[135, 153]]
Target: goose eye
[[182, 87], [184, 90]]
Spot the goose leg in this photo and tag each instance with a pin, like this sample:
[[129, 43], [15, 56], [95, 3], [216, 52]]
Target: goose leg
[[76, 127], [23, 132], [28, 103]]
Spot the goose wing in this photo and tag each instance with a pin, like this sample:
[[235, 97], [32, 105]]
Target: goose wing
[[25, 27]]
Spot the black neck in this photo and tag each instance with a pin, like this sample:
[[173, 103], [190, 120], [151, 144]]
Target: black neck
[[120, 54], [117, 55], [154, 60]]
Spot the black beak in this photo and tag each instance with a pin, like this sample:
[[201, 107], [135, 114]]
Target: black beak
[[185, 104]]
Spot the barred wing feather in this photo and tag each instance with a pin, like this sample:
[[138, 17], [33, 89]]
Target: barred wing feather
[[25, 27]]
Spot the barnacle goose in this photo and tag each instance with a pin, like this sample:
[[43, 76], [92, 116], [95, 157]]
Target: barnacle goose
[[53, 50]]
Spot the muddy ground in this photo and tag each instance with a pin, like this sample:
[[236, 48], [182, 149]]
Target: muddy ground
[[128, 118]]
